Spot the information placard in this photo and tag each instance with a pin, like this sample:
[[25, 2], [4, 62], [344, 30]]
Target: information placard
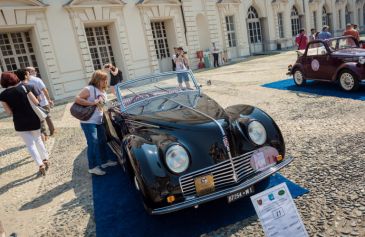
[[277, 212]]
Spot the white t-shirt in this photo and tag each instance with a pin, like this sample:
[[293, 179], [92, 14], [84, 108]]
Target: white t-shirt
[[215, 50], [39, 85], [97, 117], [180, 65]]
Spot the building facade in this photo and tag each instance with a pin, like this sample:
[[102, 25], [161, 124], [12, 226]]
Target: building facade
[[67, 40]]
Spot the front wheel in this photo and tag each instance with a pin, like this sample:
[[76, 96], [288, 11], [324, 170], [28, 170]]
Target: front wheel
[[348, 81], [299, 77]]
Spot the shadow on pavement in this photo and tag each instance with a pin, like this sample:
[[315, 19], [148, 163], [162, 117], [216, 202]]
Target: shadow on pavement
[[83, 194], [11, 150], [18, 182], [15, 165]]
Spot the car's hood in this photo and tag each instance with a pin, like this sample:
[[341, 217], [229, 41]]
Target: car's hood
[[198, 132], [357, 52]]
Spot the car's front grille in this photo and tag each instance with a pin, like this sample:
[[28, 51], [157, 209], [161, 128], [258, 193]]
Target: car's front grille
[[222, 174]]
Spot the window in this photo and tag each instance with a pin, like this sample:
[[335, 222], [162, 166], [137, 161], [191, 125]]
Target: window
[[16, 51], [160, 39], [324, 17], [358, 16], [295, 22], [316, 49], [347, 15], [100, 47], [281, 25], [231, 31], [363, 12], [254, 26], [315, 19], [339, 18]]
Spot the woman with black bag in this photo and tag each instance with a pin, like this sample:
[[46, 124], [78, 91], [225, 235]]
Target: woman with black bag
[[27, 124], [97, 149]]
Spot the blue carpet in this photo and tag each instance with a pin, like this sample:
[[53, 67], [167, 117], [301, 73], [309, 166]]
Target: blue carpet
[[318, 88], [118, 210]]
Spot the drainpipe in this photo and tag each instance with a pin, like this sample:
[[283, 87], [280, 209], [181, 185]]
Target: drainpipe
[[183, 18]]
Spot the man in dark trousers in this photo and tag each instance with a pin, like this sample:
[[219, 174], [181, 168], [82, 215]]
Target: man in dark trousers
[[215, 52]]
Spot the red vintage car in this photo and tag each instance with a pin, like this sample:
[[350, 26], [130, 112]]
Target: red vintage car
[[339, 60]]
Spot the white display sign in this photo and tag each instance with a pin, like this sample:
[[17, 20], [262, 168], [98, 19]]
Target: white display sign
[[277, 212]]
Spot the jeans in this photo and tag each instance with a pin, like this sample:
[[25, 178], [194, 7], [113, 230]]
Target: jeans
[[182, 77], [98, 151], [35, 145]]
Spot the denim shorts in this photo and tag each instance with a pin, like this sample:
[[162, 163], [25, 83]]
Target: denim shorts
[[182, 77]]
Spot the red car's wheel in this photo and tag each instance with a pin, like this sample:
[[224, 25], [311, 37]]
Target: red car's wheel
[[298, 77], [348, 81]]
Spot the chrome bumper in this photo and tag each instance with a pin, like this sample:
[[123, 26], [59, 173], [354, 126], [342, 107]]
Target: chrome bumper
[[209, 197]]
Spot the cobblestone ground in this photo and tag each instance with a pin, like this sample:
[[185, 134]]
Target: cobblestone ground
[[325, 135]]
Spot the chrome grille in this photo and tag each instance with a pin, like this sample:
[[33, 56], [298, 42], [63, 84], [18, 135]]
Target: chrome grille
[[222, 173]]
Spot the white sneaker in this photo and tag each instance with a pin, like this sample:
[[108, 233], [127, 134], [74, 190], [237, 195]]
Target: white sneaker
[[109, 163], [96, 171]]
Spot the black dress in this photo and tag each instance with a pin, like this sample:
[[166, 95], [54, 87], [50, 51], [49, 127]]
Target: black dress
[[24, 117], [116, 79]]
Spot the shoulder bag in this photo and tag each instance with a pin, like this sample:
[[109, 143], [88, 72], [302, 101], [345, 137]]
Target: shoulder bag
[[81, 112], [38, 110]]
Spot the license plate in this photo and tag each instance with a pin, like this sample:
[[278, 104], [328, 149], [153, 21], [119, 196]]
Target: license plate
[[240, 194], [204, 184]]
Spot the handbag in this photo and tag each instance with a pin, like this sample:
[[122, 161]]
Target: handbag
[[38, 110], [81, 112]]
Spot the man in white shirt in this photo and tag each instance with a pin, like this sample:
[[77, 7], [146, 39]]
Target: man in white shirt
[[45, 100], [215, 52]]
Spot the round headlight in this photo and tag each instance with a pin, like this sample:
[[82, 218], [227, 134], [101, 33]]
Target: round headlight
[[177, 159], [257, 132], [361, 60]]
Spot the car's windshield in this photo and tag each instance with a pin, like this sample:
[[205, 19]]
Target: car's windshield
[[342, 43], [157, 92]]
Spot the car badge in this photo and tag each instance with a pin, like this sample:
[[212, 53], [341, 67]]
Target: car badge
[[271, 197], [315, 65], [204, 180], [259, 202], [281, 192]]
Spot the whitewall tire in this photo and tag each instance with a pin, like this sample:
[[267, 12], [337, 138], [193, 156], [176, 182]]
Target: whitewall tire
[[298, 77], [348, 81]]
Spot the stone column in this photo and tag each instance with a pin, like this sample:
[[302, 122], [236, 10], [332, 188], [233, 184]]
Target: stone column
[[307, 17], [287, 26]]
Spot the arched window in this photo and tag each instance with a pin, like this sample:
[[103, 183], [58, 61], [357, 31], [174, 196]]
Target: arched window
[[324, 17], [295, 22], [347, 15], [254, 26]]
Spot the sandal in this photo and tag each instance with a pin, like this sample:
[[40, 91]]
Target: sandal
[[46, 163], [42, 170]]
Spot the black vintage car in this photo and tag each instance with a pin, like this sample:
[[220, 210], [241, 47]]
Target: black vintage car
[[183, 149]]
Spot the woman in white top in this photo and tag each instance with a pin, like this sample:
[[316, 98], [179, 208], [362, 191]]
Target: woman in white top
[[97, 148]]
